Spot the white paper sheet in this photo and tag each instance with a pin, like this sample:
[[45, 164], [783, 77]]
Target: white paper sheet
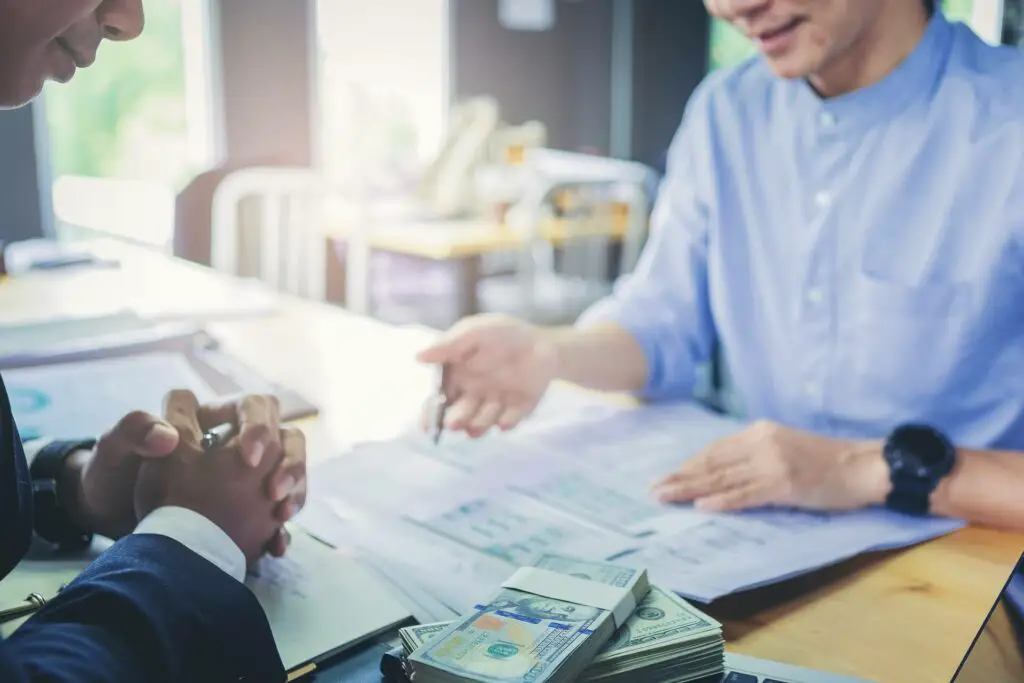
[[452, 574], [84, 399], [317, 600], [580, 487]]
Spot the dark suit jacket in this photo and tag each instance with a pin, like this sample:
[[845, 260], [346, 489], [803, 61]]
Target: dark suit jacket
[[148, 610]]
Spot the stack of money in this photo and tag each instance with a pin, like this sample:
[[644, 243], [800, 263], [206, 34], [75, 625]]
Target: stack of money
[[665, 640], [521, 636]]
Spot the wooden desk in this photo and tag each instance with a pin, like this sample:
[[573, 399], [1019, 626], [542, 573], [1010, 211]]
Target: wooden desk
[[901, 617]]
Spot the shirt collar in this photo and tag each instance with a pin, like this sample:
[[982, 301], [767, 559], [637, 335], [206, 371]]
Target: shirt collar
[[912, 79]]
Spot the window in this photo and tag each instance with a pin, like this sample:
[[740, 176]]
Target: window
[[383, 83], [958, 10], [121, 139], [730, 47]]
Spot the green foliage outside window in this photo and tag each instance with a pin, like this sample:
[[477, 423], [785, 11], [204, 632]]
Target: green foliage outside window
[[958, 10], [728, 46], [125, 116]]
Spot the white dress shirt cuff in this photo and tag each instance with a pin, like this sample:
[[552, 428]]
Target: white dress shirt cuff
[[198, 534]]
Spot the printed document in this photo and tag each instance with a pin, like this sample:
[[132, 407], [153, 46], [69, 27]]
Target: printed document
[[579, 484], [83, 399]]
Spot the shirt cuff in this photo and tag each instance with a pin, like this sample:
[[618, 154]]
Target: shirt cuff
[[198, 534], [33, 447]]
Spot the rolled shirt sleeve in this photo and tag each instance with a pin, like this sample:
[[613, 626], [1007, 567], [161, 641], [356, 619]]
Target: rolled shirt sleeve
[[664, 303]]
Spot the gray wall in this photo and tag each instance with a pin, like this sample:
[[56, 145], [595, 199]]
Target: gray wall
[[268, 54], [26, 204], [670, 58], [563, 77], [560, 76]]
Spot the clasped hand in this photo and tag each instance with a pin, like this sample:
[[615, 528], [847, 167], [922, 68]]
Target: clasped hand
[[249, 487]]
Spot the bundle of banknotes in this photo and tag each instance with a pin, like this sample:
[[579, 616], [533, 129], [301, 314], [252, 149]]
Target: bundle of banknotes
[[665, 639], [523, 636]]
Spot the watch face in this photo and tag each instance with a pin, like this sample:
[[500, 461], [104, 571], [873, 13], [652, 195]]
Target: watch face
[[919, 449]]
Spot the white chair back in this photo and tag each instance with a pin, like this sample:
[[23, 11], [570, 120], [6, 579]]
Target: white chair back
[[287, 226]]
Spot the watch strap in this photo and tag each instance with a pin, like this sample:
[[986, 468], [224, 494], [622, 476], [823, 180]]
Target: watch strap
[[910, 495], [51, 521]]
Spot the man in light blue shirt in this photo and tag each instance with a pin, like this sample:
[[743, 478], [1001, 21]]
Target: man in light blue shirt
[[844, 216]]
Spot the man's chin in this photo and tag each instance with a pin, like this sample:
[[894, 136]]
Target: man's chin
[[789, 66], [18, 94]]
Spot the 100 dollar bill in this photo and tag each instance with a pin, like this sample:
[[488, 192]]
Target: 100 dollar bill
[[518, 636]]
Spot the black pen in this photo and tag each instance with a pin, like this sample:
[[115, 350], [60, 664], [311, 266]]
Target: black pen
[[441, 409], [213, 438]]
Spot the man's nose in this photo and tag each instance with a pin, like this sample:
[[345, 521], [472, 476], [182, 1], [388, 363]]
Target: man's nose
[[121, 19]]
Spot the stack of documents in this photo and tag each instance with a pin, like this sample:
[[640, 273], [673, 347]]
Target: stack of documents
[[664, 640], [527, 633], [449, 521]]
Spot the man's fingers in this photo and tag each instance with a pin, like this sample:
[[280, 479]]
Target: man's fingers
[[512, 416], [257, 418], [485, 418], [181, 408], [286, 509], [683, 489], [142, 434], [278, 545], [460, 414], [258, 433], [291, 473], [222, 412], [733, 500], [719, 456], [456, 345]]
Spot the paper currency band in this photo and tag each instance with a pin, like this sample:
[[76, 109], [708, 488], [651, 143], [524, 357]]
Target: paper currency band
[[619, 601]]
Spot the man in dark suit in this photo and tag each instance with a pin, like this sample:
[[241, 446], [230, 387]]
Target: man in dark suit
[[166, 602]]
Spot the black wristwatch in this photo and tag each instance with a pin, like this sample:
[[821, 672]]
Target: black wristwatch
[[52, 522], [919, 456]]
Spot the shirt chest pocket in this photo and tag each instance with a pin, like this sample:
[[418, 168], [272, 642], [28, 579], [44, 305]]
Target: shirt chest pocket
[[908, 346]]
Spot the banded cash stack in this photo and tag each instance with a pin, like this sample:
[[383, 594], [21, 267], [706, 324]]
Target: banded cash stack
[[666, 640], [546, 624]]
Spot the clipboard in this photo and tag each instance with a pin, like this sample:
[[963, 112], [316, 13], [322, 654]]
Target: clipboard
[[226, 375]]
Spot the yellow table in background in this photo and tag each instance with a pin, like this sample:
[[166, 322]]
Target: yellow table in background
[[462, 244], [898, 617]]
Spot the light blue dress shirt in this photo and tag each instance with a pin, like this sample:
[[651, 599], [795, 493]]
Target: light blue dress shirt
[[860, 259]]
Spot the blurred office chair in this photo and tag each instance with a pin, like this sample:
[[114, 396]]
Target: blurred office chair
[[267, 222]]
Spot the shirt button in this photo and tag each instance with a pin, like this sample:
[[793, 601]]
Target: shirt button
[[823, 199], [828, 120], [812, 390], [815, 296]]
